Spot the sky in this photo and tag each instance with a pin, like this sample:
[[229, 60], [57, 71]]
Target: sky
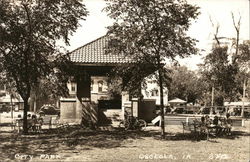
[[201, 29]]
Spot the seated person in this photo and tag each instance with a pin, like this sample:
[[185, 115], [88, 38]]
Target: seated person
[[28, 116], [36, 123], [203, 120], [207, 120], [203, 125], [216, 120], [216, 125]]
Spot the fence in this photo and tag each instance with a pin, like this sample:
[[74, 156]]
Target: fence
[[237, 122]]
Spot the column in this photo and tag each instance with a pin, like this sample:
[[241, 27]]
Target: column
[[125, 98]]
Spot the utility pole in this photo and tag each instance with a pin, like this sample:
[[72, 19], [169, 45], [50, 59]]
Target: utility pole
[[212, 102], [243, 97], [11, 102], [35, 105]]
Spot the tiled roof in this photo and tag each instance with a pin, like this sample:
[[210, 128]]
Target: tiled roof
[[94, 53]]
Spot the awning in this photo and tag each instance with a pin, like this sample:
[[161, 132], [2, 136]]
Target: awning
[[177, 100]]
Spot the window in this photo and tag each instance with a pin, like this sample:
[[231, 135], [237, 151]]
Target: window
[[100, 86], [73, 87], [91, 85], [155, 92]]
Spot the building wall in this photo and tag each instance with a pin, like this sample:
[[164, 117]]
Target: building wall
[[153, 92], [5, 102], [98, 88], [68, 110]]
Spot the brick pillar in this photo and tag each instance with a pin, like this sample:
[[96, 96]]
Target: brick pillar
[[135, 107], [125, 98]]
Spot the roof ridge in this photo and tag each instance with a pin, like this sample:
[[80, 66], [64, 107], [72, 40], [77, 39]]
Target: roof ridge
[[88, 43]]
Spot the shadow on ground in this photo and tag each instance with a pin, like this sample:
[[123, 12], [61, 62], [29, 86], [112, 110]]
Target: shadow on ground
[[54, 140], [198, 137]]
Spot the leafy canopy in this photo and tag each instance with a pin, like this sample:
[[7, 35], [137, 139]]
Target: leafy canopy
[[220, 72], [186, 84], [149, 32], [28, 34]]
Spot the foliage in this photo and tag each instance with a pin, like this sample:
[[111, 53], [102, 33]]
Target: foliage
[[125, 73], [219, 72], [244, 57], [243, 61], [28, 34], [186, 84], [226, 71], [149, 32]]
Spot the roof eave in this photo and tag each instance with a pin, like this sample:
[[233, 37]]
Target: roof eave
[[100, 64]]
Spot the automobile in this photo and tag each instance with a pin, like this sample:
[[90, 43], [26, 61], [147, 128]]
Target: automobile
[[178, 110], [205, 110], [49, 110], [167, 110]]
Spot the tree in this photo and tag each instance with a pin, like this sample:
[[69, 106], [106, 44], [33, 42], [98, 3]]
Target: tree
[[50, 89], [149, 32], [28, 34], [221, 68], [186, 84], [220, 74], [244, 62]]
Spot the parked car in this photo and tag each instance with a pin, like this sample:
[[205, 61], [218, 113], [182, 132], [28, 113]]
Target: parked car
[[178, 110], [49, 110], [205, 110]]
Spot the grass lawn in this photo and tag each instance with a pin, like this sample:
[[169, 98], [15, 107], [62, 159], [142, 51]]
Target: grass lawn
[[119, 145]]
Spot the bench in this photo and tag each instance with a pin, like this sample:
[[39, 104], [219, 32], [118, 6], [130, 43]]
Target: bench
[[192, 127], [196, 128]]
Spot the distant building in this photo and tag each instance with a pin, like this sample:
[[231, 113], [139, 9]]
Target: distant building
[[7, 102], [152, 91]]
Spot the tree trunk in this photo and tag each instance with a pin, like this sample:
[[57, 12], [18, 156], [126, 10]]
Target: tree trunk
[[161, 105], [25, 111]]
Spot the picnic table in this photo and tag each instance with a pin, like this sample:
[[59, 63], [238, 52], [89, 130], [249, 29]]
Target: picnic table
[[38, 125], [34, 124], [208, 127]]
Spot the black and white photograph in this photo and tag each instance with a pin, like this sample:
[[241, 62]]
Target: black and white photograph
[[125, 80]]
